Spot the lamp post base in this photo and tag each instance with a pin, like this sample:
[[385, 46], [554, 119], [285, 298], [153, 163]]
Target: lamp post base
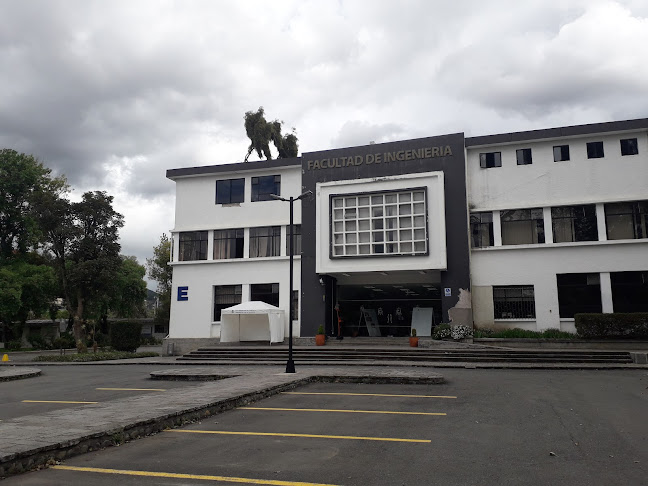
[[290, 366]]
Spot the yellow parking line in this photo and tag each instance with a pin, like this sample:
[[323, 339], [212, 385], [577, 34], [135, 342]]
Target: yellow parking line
[[153, 474], [133, 389], [341, 411], [53, 401], [276, 434], [369, 395]]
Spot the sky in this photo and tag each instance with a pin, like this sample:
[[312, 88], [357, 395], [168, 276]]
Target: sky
[[113, 93]]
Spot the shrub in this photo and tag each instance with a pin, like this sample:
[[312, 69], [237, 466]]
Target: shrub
[[125, 336], [615, 326], [442, 331], [460, 332], [13, 345], [65, 341], [320, 330], [150, 341], [38, 342], [413, 332]]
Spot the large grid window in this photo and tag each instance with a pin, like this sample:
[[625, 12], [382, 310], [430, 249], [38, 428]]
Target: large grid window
[[225, 296], [230, 191], [264, 241], [264, 186], [578, 292], [268, 293], [514, 302], [626, 220], [629, 291], [481, 229], [228, 243], [297, 241], [490, 159], [391, 223], [574, 223], [522, 227], [193, 245]]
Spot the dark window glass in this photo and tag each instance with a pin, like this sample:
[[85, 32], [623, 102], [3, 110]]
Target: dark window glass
[[574, 223], [264, 241], [629, 146], [268, 293], [629, 291], [193, 246], [294, 305], [595, 150], [522, 227], [481, 229], [626, 220], [263, 187], [230, 191], [514, 302], [161, 328], [578, 292], [523, 156], [490, 159], [296, 240], [561, 153], [225, 296], [228, 243]]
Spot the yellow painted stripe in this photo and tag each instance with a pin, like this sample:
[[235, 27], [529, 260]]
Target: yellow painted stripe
[[52, 401], [277, 434], [153, 474], [341, 411], [369, 395], [133, 389]]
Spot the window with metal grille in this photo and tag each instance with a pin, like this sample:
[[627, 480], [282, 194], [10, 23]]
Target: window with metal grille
[[522, 226], [228, 243], [379, 224], [268, 293], [225, 296], [574, 223], [264, 241], [514, 302], [481, 229], [193, 246], [264, 186]]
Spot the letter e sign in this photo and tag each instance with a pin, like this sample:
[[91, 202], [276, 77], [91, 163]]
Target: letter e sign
[[183, 293]]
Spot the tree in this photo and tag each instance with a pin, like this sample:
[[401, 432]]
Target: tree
[[159, 270], [129, 289], [261, 133]]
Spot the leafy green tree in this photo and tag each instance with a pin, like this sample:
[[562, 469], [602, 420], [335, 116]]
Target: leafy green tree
[[261, 133], [159, 270], [129, 289]]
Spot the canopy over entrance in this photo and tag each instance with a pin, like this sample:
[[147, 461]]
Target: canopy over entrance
[[252, 321]]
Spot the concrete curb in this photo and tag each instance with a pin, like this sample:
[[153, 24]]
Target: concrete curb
[[13, 373]]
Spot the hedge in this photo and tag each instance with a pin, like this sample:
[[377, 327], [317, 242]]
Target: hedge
[[125, 336], [628, 326]]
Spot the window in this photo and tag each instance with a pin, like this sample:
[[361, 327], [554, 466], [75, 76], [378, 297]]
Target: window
[[578, 292], [561, 153], [629, 291], [629, 146], [523, 156], [268, 293], [296, 240], [263, 186], [294, 305], [514, 302], [228, 243], [230, 191], [594, 150], [574, 223], [193, 245], [490, 159], [161, 328], [522, 227], [391, 223], [225, 296], [626, 220], [481, 229], [264, 241]]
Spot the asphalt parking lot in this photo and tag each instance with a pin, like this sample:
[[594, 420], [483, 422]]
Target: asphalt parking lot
[[482, 427]]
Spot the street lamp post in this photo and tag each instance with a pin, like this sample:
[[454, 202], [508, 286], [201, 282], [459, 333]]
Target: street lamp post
[[290, 365]]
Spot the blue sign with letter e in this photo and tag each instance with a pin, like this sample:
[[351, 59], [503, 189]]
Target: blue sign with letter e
[[183, 293]]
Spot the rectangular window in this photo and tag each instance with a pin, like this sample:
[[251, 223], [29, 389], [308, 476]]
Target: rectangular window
[[294, 305], [481, 229], [161, 328], [514, 302], [578, 292], [629, 146], [595, 150], [228, 243], [629, 291], [230, 191], [193, 246], [561, 153], [574, 223], [522, 227], [264, 241], [391, 223], [627, 220], [523, 156], [263, 187], [296, 240], [268, 293], [490, 159], [225, 296]]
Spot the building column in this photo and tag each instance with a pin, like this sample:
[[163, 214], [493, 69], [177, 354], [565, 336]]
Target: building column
[[497, 229], [600, 222], [606, 293], [548, 230]]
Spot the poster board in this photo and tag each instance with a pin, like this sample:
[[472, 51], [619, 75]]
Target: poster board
[[422, 320], [371, 321]]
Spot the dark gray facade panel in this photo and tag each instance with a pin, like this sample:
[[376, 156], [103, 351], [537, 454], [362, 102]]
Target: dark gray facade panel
[[236, 167], [316, 299]]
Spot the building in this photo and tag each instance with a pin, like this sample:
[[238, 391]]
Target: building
[[512, 230]]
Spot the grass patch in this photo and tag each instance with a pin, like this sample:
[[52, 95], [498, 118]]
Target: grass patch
[[85, 357], [517, 333]]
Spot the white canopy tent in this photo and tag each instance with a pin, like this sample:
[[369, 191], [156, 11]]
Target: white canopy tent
[[252, 321]]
